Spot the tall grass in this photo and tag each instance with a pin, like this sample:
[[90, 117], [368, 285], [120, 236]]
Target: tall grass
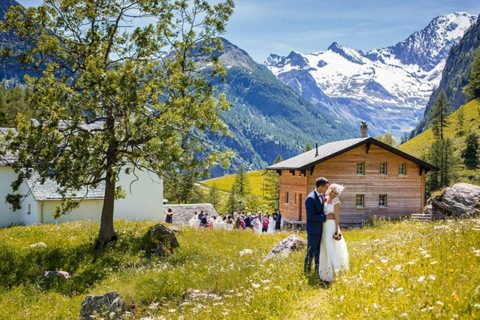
[[398, 270]]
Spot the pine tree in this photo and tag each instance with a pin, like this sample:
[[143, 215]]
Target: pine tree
[[271, 195], [472, 90], [240, 185], [388, 139], [308, 147], [460, 122], [232, 202], [213, 196], [470, 154], [439, 115], [278, 159]]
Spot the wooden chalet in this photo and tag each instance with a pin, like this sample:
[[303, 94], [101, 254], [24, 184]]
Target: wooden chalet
[[379, 179]]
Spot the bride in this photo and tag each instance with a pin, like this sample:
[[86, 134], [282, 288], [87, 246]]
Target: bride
[[333, 249]]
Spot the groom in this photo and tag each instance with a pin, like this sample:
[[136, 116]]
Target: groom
[[315, 219]]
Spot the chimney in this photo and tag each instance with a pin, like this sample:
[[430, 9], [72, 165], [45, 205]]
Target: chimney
[[363, 129], [316, 149]]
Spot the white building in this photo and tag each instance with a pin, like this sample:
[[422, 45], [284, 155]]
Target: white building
[[144, 199]]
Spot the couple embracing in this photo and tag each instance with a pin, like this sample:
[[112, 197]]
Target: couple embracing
[[326, 245]]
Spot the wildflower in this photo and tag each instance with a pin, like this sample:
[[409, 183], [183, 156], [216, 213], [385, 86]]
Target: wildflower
[[375, 306], [432, 277], [398, 267], [433, 262], [411, 262], [255, 285], [421, 278], [440, 303], [383, 260]]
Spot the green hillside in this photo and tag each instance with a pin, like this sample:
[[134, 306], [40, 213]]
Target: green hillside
[[413, 270], [419, 145], [255, 182]]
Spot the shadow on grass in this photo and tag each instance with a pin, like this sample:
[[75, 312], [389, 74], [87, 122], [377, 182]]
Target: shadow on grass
[[88, 265]]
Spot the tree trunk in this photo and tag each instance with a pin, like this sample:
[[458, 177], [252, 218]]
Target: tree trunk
[[107, 232]]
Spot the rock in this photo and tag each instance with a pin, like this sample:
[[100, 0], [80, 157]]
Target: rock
[[284, 247], [160, 240], [245, 251], [108, 306], [193, 294], [38, 245], [462, 199], [59, 274]]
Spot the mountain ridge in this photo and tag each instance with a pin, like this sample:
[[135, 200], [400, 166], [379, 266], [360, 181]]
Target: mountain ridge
[[396, 80]]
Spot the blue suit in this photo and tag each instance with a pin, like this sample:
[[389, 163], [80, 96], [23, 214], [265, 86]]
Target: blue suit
[[315, 219]]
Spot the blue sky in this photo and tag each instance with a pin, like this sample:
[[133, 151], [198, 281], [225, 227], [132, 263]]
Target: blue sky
[[262, 27]]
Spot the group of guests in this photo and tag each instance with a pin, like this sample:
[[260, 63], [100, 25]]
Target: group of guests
[[260, 222]]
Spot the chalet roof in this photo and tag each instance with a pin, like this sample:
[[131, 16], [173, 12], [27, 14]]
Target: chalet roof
[[48, 190], [329, 150]]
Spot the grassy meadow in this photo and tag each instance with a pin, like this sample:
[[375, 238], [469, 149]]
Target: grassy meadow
[[398, 270]]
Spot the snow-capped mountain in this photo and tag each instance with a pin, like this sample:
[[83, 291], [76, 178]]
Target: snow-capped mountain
[[387, 87]]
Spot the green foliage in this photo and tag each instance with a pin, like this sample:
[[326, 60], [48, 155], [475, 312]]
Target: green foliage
[[388, 139], [420, 145], [405, 268], [146, 110], [13, 100], [308, 147], [240, 185], [473, 88], [278, 159], [442, 155], [470, 154], [272, 189], [439, 115], [214, 197]]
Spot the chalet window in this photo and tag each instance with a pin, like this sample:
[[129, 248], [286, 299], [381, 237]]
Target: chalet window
[[402, 169], [286, 197], [360, 168], [295, 198], [382, 201], [360, 201], [383, 169]]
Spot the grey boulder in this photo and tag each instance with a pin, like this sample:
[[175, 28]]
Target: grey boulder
[[284, 247], [109, 306]]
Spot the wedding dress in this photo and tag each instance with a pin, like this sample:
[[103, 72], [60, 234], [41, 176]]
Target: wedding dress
[[333, 253]]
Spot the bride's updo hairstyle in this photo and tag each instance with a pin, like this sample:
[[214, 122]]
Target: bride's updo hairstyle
[[338, 188]]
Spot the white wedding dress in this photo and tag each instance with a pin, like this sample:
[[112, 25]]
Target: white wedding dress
[[333, 253]]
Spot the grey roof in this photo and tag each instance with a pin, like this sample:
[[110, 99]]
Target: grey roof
[[332, 149], [324, 151], [49, 190]]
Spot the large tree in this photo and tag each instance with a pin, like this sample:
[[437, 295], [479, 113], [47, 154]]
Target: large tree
[[439, 115], [116, 97]]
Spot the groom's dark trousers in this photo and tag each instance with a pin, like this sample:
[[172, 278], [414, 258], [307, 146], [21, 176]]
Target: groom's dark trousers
[[315, 219]]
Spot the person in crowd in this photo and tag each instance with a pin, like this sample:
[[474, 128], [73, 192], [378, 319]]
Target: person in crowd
[[248, 220], [278, 222], [204, 219], [238, 222], [265, 222], [169, 216]]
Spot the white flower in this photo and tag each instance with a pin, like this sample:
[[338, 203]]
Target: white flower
[[255, 285], [432, 277], [440, 303], [421, 278], [398, 267], [411, 262], [375, 306], [433, 262], [383, 260]]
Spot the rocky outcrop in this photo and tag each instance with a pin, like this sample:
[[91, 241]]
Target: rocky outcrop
[[109, 306], [460, 200], [284, 247], [159, 240]]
